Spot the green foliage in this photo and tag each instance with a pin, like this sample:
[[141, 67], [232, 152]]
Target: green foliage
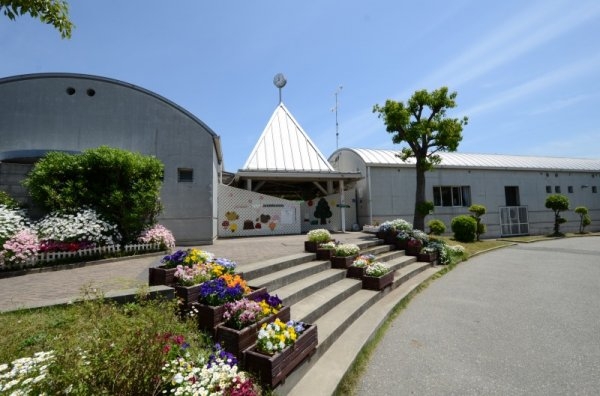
[[100, 348], [424, 208], [322, 211], [121, 186], [422, 124], [478, 211], [464, 228], [8, 201], [584, 218], [52, 12], [436, 227], [557, 203]]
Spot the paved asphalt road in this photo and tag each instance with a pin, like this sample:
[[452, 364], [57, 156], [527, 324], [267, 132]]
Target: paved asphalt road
[[523, 320]]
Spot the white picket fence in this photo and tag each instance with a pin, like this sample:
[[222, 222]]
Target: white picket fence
[[48, 257]]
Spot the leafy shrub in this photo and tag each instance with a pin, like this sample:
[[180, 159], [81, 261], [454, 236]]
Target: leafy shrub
[[122, 186], [464, 228], [436, 227], [8, 201], [584, 218], [557, 203], [478, 211]]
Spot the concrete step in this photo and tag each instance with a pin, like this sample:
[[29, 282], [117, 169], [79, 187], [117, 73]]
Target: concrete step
[[321, 374], [296, 291], [275, 280], [261, 268]]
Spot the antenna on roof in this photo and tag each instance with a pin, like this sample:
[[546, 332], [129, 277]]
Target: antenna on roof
[[279, 81], [337, 133]]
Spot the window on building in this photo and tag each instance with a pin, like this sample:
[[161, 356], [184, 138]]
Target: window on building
[[557, 189], [452, 195], [185, 175], [594, 189], [548, 189], [570, 189]]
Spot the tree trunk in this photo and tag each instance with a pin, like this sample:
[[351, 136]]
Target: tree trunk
[[418, 218]]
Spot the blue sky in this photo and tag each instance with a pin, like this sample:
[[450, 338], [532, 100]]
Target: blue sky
[[527, 73]]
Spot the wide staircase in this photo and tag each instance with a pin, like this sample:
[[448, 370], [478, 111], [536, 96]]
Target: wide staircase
[[346, 315]]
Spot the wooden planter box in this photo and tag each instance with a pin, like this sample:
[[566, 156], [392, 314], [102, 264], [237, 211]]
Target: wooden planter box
[[324, 254], [161, 276], [272, 369], [310, 246], [355, 272], [377, 283], [390, 237], [187, 295], [401, 244], [237, 341], [342, 262], [428, 257], [209, 317], [412, 250]]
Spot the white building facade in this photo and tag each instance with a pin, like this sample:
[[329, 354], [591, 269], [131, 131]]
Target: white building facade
[[512, 188]]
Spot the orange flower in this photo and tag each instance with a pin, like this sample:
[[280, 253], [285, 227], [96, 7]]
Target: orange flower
[[233, 280]]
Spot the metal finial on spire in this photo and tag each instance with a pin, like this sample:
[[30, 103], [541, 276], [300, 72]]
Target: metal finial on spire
[[279, 81], [337, 133]]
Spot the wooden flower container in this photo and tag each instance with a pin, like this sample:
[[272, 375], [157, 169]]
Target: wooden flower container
[[237, 341], [272, 369], [412, 250], [324, 254], [390, 237], [209, 317], [161, 276], [401, 244], [311, 246], [428, 257], [342, 262], [355, 272], [377, 283], [187, 295]]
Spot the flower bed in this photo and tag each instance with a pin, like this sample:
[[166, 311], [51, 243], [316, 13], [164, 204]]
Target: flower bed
[[377, 276]]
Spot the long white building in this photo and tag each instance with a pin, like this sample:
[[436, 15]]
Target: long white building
[[512, 188]]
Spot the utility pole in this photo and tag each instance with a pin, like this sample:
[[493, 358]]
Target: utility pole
[[337, 132]]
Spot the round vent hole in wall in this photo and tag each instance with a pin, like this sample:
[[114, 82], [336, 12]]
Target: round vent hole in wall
[[91, 92], [70, 91]]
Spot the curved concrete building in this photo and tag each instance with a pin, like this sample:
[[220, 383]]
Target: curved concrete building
[[73, 112]]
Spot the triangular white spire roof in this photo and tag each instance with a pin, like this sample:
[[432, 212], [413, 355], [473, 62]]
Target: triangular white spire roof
[[284, 146]]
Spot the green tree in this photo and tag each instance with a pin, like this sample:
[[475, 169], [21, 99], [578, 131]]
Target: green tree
[[322, 211], [557, 203], [122, 186], [52, 12], [422, 124], [478, 211], [584, 218]]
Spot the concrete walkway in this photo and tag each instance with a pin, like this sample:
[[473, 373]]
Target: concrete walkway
[[48, 288], [523, 320]]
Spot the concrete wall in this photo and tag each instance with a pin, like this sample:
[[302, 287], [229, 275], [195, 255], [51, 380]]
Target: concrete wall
[[74, 112]]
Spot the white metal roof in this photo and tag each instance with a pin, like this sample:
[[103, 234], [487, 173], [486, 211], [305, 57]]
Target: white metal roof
[[284, 146], [485, 161]]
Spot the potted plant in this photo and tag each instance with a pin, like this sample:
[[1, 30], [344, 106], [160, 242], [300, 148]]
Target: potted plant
[[279, 349], [357, 269], [325, 250], [377, 276], [243, 318], [343, 255], [165, 274], [213, 295], [428, 254], [315, 238]]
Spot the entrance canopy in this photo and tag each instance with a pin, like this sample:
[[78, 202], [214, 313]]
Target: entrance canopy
[[287, 164]]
